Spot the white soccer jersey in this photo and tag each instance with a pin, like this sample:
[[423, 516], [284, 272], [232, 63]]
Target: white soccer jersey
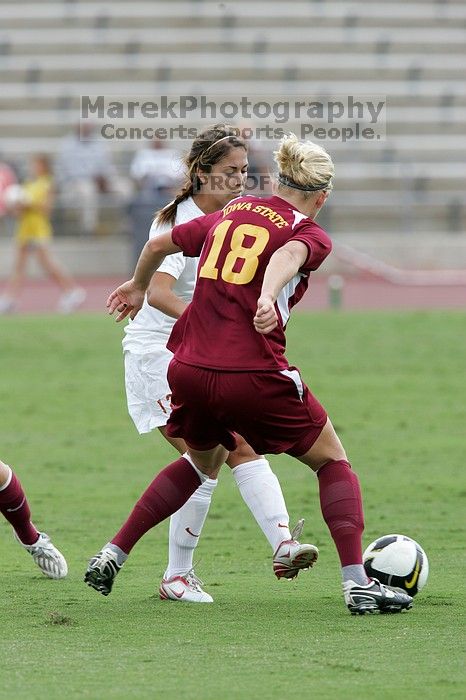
[[151, 328]]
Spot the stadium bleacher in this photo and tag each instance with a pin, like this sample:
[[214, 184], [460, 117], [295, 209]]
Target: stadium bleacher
[[414, 53]]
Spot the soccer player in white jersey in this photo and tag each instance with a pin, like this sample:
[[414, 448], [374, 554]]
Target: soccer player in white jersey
[[216, 171], [15, 508]]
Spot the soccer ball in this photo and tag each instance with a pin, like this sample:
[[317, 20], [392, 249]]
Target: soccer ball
[[397, 561], [15, 195]]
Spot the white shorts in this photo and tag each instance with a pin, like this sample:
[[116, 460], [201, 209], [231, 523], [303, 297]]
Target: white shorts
[[147, 390]]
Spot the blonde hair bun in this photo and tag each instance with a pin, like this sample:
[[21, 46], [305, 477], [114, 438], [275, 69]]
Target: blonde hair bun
[[304, 163]]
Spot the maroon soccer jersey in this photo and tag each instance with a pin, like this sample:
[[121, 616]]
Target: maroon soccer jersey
[[235, 245]]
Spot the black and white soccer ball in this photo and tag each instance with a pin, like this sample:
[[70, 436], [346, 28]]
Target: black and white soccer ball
[[397, 561]]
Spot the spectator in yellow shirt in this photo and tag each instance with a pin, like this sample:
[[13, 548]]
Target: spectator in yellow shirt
[[33, 234]]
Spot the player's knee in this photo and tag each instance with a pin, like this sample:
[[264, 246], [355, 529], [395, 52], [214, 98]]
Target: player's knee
[[337, 454], [208, 461], [316, 459], [242, 453], [214, 474], [326, 448], [208, 470]]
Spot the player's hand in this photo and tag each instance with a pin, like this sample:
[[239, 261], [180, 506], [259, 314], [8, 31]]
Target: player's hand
[[127, 299], [266, 318]]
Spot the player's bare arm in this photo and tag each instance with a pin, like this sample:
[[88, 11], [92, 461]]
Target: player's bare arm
[[282, 267], [161, 296], [128, 298]]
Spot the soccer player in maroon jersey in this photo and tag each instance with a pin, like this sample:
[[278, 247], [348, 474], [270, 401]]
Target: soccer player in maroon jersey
[[15, 508], [215, 172], [229, 372]]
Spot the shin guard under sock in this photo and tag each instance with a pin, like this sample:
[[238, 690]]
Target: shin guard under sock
[[170, 489], [341, 504]]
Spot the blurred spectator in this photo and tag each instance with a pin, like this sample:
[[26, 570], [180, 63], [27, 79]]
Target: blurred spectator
[[141, 210], [84, 171], [7, 178], [156, 172], [32, 204], [157, 167]]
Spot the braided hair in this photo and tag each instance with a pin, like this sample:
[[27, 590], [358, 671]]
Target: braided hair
[[212, 144]]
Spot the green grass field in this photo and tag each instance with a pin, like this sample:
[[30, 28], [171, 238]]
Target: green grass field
[[395, 387]]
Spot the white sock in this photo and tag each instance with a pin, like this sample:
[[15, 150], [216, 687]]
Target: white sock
[[185, 528], [8, 479], [262, 493], [356, 573], [120, 554]]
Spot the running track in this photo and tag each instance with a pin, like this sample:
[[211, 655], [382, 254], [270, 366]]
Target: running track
[[358, 293]]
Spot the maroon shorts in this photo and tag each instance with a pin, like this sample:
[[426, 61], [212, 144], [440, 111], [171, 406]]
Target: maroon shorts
[[274, 411]]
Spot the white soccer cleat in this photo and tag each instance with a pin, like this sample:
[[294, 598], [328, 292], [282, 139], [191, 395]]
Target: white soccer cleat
[[184, 589], [374, 598], [50, 561], [291, 556], [69, 301]]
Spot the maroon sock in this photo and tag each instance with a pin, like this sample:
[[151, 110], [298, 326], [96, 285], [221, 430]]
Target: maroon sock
[[341, 504], [15, 508], [170, 490]]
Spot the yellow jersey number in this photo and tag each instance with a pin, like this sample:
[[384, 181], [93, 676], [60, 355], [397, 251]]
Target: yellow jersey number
[[250, 255]]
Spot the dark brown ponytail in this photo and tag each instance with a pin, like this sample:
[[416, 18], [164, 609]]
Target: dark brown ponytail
[[207, 149]]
